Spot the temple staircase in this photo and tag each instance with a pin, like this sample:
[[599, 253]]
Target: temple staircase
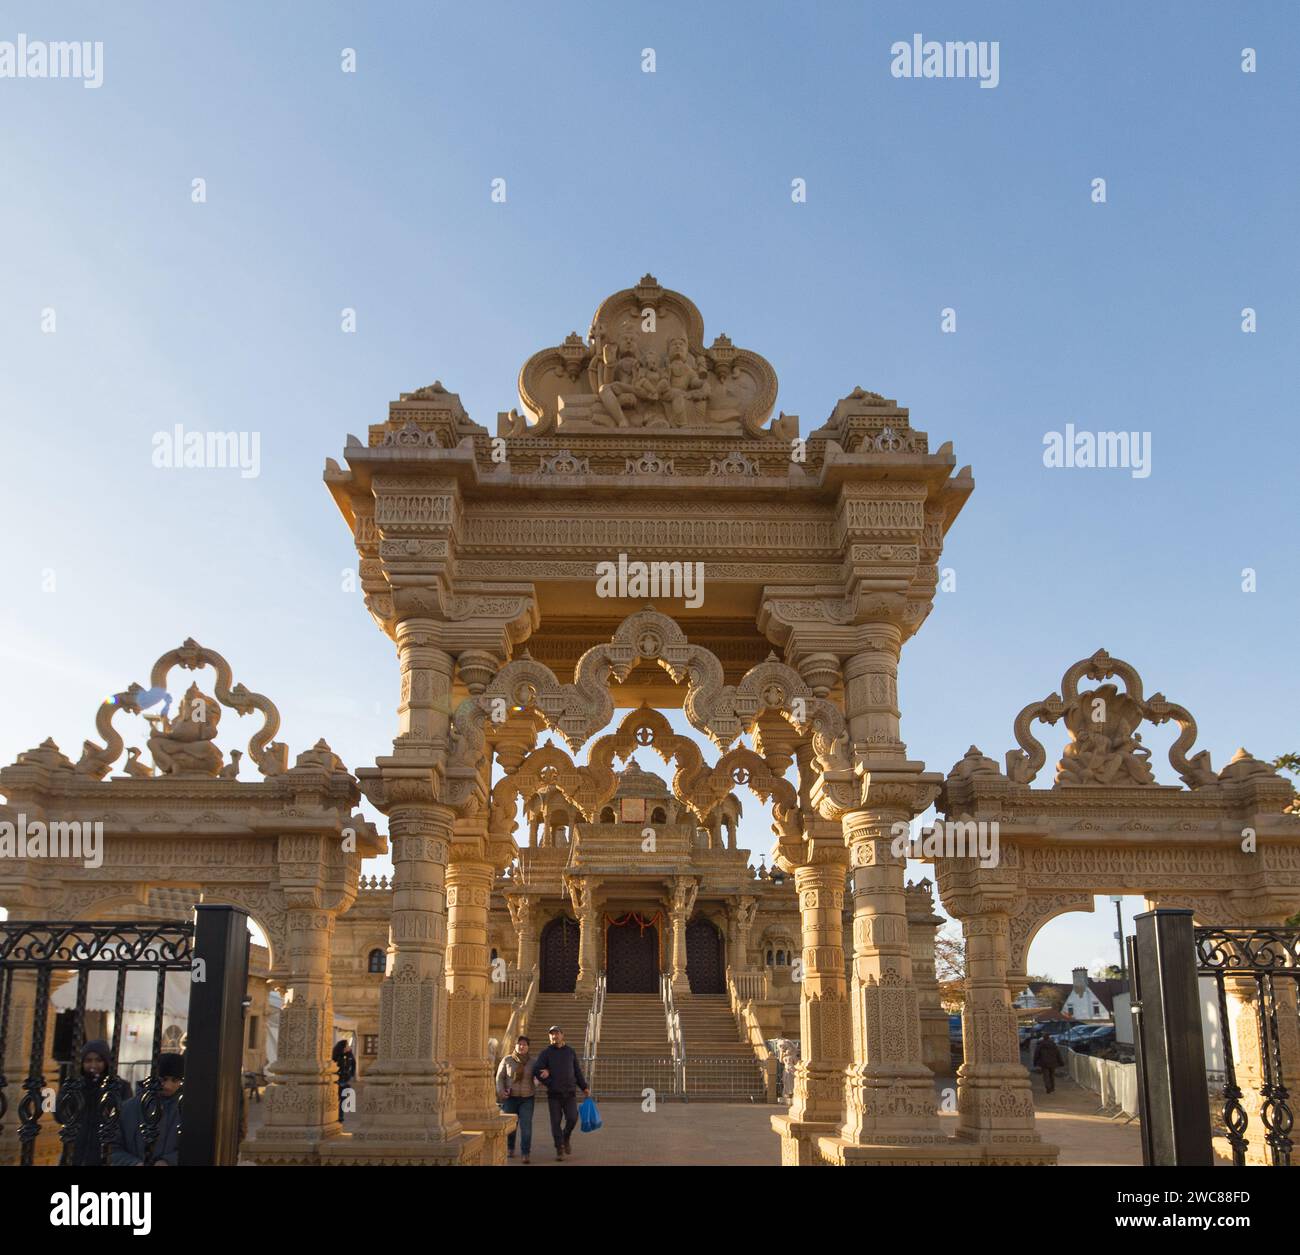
[[634, 1053], [569, 1011], [719, 1065]]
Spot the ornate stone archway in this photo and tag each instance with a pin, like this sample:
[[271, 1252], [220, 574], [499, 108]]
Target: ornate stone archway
[[287, 848], [1223, 846], [639, 445]]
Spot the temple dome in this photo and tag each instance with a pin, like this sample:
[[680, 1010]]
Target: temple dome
[[633, 782]]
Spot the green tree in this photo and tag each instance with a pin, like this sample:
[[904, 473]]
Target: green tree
[[1291, 763]]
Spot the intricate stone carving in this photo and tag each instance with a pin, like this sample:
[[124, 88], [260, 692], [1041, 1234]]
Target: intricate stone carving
[[178, 744], [644, 366], [1104, 747], [564, 463], [649, 463], [735, 463]]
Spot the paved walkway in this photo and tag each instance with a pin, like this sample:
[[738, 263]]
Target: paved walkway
[[674, 1133], [708, 1134], [1068, 1118]]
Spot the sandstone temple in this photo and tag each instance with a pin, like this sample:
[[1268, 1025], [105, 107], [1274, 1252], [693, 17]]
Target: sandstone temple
[[643, 534]]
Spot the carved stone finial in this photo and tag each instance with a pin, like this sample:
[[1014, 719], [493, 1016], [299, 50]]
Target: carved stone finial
[[974, 763], [1245, 766]]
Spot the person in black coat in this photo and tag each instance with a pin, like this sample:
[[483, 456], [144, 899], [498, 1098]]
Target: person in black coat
[[83, 1145], [1047, 1058], [346, 1062], [557, 1067], [130, 1149]]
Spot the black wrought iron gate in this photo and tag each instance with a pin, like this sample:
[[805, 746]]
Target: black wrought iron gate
[[212, 950], [1264, 957], [1167, 957]]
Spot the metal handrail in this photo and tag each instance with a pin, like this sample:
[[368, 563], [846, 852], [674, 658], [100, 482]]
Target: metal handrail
[[591, 1041], [521, 1011], [673, 1022]]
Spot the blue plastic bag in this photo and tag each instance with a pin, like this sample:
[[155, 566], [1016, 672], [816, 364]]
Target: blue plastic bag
[[589, 1115]]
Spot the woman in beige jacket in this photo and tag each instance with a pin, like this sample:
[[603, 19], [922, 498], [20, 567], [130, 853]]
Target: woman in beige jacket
[[516, 1091]]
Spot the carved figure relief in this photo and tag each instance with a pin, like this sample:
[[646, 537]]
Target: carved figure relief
[[644, 366]]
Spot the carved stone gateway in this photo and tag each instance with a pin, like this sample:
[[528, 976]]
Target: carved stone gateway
[[1225, 847], [287, 848], [645, 452], [642, 533]]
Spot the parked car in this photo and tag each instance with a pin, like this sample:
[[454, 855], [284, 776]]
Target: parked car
[[1053, 1028], [954, 1039], [1078, 1035], [1101, 1036]]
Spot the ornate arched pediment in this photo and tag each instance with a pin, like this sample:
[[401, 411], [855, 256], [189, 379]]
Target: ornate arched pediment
[[1105, 747], [644, 366], [184, 745]]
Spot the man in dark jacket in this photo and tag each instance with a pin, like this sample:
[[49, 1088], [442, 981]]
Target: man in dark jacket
[[83, 1145], [130, 1150], [557, 1067], [346, 1064], [1047, 1058]]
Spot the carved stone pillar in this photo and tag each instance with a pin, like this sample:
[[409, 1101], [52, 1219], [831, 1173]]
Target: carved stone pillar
[[406, 1103], [741, 918], [302, 1100], [523, 914], [922, 925], [1244, 1008], [818, 1106], [994, 1098], [685, 890], [889, 1093], [582, 893], [469, 985], [17, 1070]]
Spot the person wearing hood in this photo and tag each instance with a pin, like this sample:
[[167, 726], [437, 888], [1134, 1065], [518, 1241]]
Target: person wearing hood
[[84, 1148], [346, 1064], [130, 1150], [1047, 1058]]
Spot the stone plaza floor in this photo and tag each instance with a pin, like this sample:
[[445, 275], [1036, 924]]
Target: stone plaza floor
[[709, 1134], [738, 1134]]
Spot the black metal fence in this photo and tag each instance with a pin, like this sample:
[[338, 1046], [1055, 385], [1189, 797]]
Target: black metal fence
[[212, 951], [1259, 965], [1261, 957]]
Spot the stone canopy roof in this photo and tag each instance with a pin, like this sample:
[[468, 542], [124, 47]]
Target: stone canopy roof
[[633, 782]]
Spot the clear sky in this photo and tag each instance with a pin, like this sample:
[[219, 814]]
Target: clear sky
[[371, 191]]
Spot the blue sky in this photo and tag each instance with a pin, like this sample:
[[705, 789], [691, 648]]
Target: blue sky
[[371, 191]]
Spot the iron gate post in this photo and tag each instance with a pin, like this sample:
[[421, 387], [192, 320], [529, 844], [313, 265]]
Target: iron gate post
[[214, 1055], [1173, 1093]]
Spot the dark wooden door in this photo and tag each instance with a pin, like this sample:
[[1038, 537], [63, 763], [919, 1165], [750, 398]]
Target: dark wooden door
[[705, 958], [632, 959], [559, 956]]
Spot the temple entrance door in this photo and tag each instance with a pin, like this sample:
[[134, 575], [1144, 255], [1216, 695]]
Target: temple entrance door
[[706, 964], [559, 956], [632, 958]]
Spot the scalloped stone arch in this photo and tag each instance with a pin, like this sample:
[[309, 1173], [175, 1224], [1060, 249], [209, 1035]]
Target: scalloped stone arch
[[585, 787], [697, 785], [1034, 913], [577, 711]]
